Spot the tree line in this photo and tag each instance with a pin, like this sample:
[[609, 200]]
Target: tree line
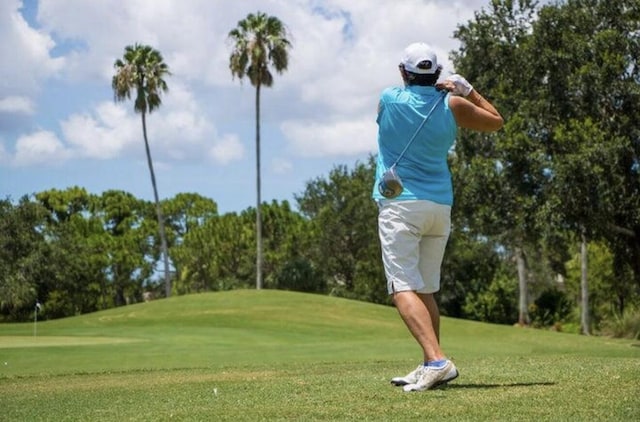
[[565, 169], [75, 252], [546, 225]]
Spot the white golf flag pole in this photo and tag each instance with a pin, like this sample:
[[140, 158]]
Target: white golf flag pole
[[35, 319]]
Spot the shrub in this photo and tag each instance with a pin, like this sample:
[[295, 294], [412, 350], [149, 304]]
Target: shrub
[[550, 308], [300, 275], [496, 304], [626, 325]]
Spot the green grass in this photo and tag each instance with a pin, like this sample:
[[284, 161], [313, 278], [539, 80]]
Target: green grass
[[272, 355]]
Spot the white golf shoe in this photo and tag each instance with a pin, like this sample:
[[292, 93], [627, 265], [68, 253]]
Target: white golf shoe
[[411, 378], [431, 377]]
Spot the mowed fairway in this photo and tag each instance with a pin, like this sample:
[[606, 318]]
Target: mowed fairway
[[273, 355]]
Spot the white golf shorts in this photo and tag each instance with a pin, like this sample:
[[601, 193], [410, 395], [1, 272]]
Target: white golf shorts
[[413, 236]]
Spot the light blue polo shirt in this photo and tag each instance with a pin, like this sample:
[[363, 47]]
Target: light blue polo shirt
[[423, 169]]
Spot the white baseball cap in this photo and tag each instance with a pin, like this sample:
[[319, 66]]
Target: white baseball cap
[[415, 58]]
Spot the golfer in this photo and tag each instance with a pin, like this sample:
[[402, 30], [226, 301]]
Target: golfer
[[414, 226]]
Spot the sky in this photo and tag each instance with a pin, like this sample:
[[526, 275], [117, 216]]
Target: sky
[[60, 126]]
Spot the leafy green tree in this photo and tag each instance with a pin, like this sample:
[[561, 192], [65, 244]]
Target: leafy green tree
[[24, 257], [586, 90], [469, 266], [142, 69], [77, 269], [284, 233], [299, 274], [344, 226], [77, 241], [260, 43], [565, 76], [63, 205], [496, 303], [130, 248], [608, 296], [499, 177], [216, 255], [234, 245], [187, 211]]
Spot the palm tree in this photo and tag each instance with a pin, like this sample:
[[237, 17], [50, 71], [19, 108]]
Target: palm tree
[[260, 41], [142, 69]]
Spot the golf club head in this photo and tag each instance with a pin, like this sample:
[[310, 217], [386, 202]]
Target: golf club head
[[390, 186]]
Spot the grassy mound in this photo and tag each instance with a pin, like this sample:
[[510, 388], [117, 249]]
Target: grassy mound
[[274, 355]]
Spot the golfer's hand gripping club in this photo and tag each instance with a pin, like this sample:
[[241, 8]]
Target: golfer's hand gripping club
[[461, 86]]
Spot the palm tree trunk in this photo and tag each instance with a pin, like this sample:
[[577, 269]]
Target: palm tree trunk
[[584, 286], [163, 236], [523, 311], [258, 196]]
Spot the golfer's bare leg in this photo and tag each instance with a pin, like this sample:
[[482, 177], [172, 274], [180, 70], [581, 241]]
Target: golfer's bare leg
[[432, 307], [415, 314]]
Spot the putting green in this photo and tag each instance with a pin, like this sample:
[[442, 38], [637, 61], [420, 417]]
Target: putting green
[[8, 342]]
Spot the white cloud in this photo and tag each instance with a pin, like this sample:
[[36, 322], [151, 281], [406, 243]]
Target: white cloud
[[103, 135], [338, 138], [190, 34], [281, 166], [24, 53], [4, 155], [177, 131], [42, 147], [226, 150], [180, 128], [16, 104]]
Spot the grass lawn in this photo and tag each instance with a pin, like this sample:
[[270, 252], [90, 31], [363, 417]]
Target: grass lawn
[[273, 355]]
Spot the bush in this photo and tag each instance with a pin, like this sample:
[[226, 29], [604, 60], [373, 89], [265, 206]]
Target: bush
[[497, 304], [550, 308], [299, 275], [625, 326]]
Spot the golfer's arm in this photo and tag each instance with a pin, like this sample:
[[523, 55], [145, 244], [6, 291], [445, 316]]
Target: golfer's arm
[[476, 113]]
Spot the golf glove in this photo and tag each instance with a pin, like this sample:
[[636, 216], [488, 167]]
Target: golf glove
[[462, 86]]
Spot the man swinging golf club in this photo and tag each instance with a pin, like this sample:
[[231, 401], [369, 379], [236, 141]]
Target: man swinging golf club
[[417, 126]]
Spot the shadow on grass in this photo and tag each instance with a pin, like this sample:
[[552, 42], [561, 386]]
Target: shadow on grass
[[506, 385]]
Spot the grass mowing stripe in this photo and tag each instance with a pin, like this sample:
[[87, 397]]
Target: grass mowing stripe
[[33, 341]]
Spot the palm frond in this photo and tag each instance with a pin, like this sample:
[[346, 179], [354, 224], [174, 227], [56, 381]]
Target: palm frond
[[260, 42], [142, 69]]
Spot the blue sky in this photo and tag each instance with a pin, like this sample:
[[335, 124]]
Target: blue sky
[[59, 125]]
